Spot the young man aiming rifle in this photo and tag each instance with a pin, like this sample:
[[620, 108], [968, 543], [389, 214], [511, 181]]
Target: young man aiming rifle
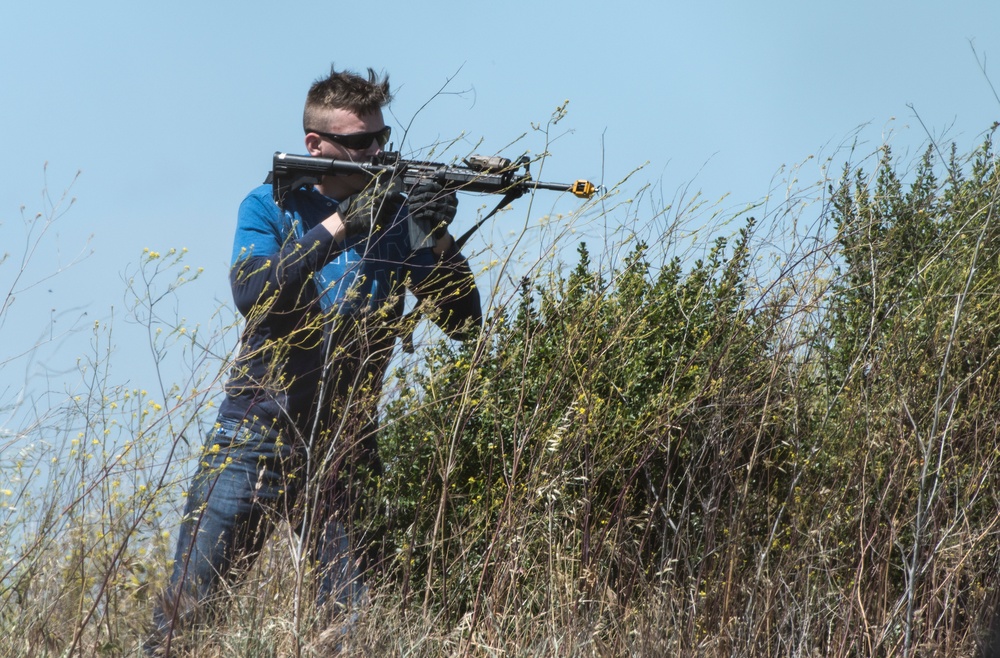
[[320, 280]]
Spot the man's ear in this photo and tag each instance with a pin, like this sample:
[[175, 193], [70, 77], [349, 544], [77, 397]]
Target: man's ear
[[313, 142]]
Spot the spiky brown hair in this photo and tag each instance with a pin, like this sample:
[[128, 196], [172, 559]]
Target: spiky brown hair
[[348, 91]]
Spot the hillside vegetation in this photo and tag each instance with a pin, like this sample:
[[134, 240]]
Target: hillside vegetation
[[774, 436]]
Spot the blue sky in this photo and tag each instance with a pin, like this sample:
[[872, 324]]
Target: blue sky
[[171, 112]]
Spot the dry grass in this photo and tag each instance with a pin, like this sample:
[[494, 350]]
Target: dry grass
[[758, 453]]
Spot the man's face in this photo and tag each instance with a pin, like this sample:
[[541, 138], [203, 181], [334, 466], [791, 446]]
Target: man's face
[[344, 122]]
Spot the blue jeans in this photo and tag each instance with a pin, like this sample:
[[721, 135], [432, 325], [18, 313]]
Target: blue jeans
[[242, 487]]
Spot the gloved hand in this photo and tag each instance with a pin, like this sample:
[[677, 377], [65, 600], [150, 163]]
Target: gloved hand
[[371, 208], [432, 209]]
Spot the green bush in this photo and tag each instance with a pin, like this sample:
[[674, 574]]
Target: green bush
[[629, 421]]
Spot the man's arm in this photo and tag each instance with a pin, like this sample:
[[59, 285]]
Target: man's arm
[[447, 284], [272, 270], [439, 274]]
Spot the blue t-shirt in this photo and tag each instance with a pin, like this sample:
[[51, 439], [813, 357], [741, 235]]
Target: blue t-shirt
[[306, 297], [361, 272]]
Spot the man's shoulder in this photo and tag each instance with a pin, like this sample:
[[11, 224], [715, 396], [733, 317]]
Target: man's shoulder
[[259, 203], [261, 194], [305, 201]]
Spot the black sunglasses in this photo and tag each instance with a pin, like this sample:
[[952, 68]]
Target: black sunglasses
[[357, 141]]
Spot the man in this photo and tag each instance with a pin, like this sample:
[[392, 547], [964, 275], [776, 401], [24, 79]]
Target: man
[[320, 280]]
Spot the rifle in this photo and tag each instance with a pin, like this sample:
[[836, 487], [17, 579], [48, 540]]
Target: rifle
[[480, 174]]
